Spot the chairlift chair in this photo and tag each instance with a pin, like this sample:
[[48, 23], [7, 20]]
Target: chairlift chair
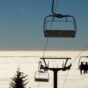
[[83, 64], [41, 76], [49, 32]]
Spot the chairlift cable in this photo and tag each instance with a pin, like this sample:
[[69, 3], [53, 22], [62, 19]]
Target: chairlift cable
[[47, 42], [45, 50], [72, 62], [45, 46], [65, 79], [80, 53]]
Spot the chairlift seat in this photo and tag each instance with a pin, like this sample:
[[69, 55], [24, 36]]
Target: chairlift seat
[[41, 79], [59, 33]]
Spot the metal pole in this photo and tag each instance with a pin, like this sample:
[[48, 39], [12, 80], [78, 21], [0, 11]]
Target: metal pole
[[55, 78]]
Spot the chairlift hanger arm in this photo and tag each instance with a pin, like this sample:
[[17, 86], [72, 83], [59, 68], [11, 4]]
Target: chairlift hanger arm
[[45, 62], [53, 2], [54, 13]]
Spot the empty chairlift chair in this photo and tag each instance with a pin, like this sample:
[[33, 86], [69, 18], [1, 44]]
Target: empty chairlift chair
[[53, 24], [41, 76]]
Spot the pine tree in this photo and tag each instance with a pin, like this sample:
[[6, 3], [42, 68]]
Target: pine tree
[[19, 80]]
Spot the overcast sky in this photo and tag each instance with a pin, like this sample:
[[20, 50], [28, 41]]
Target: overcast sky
[[21, 24]]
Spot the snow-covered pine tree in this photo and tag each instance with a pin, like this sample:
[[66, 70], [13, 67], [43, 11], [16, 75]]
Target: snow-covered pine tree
[[19, 80]]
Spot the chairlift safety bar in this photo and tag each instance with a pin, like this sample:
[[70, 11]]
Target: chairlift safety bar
[[82, 57], [60, 16]]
